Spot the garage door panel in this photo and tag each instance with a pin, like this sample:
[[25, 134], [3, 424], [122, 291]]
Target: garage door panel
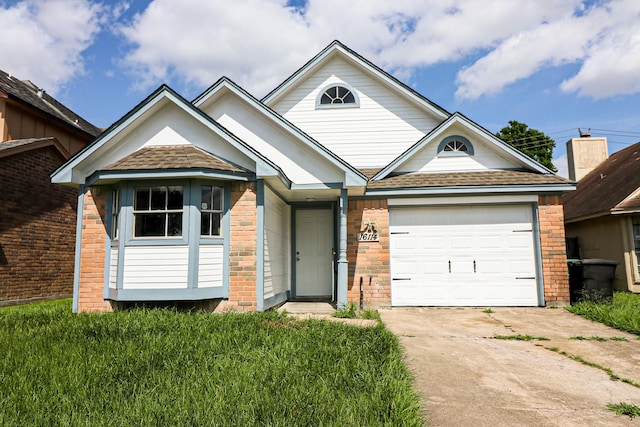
[[463, 256]]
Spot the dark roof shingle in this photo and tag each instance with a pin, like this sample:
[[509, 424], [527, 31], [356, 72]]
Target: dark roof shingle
[[608, 186], [454, 179], [173, 157], [26, 92]]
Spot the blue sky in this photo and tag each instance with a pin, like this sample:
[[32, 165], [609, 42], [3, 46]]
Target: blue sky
[[554, 65]]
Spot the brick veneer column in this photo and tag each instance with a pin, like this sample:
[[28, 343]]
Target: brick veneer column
[[554, 256], [368, 260], [93, 251], [243, 247]]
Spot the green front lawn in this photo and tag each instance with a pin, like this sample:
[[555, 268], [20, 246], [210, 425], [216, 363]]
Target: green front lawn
[[159, 367], [623, 312]]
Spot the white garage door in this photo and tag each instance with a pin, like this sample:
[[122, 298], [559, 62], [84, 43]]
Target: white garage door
[[463, 256]]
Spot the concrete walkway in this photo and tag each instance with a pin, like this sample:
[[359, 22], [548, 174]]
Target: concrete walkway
[[468, 378]]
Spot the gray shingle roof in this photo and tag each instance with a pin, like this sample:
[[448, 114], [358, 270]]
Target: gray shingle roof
[[453, 179], [26, 92], [173, 157]]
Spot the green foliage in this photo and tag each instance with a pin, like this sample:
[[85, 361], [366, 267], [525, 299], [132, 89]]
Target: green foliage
[[622, 408], [520, 338], [162, 367], [487, 310], [531, 142], [623, 312], [348, 312]]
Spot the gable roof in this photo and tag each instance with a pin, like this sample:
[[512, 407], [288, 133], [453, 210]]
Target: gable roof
[[26, 93], [16, 146], [228, 84], [459, 118], [613, 186], [337, 48], [163, 94]]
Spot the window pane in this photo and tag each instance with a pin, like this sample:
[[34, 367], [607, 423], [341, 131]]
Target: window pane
[[205, 224], [158, 198], [175, 224], [215, 227], [141, 202], [149, 225], [349, 99], [342, 91], [206, 197], [325, 99], [175, 198], [217, 198]]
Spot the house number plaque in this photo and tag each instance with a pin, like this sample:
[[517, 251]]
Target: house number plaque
[[370, 233]]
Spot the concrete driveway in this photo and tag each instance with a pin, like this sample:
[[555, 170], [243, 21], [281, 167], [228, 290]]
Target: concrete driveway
[[466, 377]]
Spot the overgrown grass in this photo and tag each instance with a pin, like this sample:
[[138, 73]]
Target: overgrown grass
[[160, 367], [623, 312]]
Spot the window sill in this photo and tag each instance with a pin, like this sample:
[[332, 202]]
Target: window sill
[[190, 294]]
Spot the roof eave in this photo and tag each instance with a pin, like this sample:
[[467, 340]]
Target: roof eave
[[468, 189]]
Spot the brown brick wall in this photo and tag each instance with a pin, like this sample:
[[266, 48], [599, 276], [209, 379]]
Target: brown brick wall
[[554, 256], [93, 251], [243, 248], [37, 229], [368, 260]]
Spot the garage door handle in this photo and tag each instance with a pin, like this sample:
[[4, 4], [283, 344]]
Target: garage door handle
[[399, 232], [401, 278], [522, 231], [474, 265], [524, 278], [449, 266]]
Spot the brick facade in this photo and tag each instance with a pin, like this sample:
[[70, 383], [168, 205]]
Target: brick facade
[[37, 229], [93, 251], [243, 247], [368, 261], [554, 256]]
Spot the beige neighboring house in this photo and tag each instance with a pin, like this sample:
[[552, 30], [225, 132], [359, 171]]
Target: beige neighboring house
[[603, 214]]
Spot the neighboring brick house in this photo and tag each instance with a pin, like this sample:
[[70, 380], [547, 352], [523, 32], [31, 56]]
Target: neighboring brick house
[[603, 214], [342, 184], [37, 218]]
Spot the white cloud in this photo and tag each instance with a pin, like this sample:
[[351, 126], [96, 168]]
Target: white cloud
[[43, 40], [561, 164], [504, 41]]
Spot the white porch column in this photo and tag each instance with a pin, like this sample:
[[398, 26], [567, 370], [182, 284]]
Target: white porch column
[[343, 268]]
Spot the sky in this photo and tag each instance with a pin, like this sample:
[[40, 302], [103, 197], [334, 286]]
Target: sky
[[556, 65]]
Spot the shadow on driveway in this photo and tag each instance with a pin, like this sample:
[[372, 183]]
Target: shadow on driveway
[[466, 377]]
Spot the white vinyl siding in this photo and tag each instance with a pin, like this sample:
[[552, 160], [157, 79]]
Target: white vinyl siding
[[156, 267], [483, 158], [210, 266], [463, 256], [379, 130], [299, 163], [276, 245], [113, 268]]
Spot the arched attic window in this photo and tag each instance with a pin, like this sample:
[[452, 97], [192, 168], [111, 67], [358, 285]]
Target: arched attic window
[[337, 95], [455, 145]]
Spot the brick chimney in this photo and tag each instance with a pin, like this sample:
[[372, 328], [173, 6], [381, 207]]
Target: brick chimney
[[585, 153]]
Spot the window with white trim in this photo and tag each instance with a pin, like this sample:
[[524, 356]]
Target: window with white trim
[[115, 213], [337, 96], [455, 145], [211, 211], [157, 211]]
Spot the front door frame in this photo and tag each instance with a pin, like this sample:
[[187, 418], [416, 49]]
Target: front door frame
[[314, 205]]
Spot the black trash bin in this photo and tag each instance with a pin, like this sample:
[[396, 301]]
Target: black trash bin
[[591, 279]]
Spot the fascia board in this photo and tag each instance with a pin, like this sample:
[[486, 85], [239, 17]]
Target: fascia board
[[352, 174]]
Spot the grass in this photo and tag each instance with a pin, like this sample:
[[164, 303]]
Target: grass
[[622, 312], [595, 338], [161, 367], [520, 338], [622, 408], [351, 312]]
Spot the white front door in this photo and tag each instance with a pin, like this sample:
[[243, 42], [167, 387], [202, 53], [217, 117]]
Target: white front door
[[314, 252]]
